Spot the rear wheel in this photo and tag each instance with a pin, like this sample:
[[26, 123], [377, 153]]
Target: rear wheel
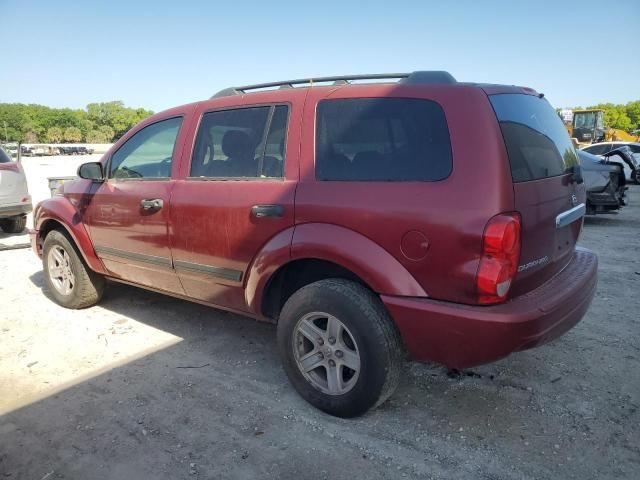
[[636, 175], [13, 224], [339, 347], [70, 281]]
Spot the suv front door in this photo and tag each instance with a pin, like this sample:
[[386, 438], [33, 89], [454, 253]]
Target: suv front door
[[128, 213]]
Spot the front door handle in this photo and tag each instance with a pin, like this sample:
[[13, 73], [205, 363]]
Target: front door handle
[[151, 204], [261, 211]]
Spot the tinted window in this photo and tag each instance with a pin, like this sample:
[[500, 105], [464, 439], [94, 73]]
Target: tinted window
[[148, 153], [241, 143], [537, 142], [634, 148], [4, 157], [597, 149], [385, 139]]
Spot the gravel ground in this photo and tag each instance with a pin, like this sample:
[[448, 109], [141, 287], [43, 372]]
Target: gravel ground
[[144, 387]]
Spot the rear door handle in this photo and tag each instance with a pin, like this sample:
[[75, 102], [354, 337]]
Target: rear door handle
[[151, 204], [260, 211]]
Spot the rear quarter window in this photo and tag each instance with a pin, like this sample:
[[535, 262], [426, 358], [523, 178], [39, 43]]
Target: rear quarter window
[[382, 139], [537, 142]]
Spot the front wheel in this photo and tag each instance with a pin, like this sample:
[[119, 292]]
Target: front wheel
[[70, 281], [339, 347]]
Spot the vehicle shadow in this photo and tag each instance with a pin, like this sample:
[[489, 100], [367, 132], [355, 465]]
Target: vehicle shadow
[[219, 399]]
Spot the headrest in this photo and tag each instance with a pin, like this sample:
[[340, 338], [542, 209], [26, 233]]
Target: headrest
[[236, 143]]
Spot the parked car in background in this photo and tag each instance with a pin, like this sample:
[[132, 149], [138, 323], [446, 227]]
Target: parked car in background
[[26, 151], [84, 151], [15, 201], [357, 217], [629, 153], [605, 183]]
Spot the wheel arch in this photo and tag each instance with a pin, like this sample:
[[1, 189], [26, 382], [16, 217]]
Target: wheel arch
[[311, 252], [54, 215]]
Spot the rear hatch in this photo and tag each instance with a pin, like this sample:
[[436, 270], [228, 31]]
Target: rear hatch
[[546, 193]]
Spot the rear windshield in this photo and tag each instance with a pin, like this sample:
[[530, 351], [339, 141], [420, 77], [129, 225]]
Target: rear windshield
[[4, 157], [537, 142], [382, 139]]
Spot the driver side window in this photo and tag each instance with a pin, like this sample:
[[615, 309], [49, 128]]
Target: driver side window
[[148, 153]]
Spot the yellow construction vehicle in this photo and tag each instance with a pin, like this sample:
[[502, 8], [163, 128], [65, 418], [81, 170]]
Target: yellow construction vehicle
[[588, 127]]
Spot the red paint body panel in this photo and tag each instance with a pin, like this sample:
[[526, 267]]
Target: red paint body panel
[[275, 254], [451, 213], [462, 336], [68, 212], [380, 270]]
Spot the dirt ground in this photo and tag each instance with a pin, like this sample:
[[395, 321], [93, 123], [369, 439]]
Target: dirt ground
[[146, 387]]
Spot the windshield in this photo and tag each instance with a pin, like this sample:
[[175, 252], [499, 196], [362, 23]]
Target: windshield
[[584, 119], [537, 142]]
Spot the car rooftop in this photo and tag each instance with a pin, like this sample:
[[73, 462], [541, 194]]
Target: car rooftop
[[420, 77]]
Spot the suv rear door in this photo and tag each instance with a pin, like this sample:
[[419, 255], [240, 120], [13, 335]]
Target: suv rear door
[[546, 194], [236, 193]]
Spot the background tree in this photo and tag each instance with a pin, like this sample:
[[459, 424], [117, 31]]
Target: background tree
[[73, 134], [31, 123], [615, 116], [107, 132], [55, 135]]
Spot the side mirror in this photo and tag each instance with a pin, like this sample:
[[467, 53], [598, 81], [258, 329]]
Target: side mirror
[[576, 174], [91, 171]]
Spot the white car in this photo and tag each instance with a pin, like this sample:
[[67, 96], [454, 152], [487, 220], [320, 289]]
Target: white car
[[15, 201], [603, 148]]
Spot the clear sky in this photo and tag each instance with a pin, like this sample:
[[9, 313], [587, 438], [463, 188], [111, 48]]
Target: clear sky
[[157, 54]]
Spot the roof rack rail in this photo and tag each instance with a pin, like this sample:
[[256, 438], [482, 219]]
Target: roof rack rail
[[413, 78]]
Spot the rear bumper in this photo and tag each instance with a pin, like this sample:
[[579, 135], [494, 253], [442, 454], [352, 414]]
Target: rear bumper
[[15, 210], [461, 336]]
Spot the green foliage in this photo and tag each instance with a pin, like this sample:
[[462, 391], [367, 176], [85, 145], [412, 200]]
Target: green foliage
[[55, 135], [73, 135], [103, 134], [99, 123]]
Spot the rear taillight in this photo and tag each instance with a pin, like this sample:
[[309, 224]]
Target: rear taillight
[[499, 261], [11, 166]]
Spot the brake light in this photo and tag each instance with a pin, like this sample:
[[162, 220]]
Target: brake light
[[499, 261], [11, 166]]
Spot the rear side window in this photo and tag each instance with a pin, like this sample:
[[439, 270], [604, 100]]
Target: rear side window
[[383, 139], [537, 142], [241, 143]]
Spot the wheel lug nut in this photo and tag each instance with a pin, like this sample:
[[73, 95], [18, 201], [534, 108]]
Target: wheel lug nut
[[339, 353], [332, 363], [320, 355], [332, 340], [320, 341]]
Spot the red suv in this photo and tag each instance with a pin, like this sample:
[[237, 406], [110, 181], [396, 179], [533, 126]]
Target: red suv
[[416, 216]]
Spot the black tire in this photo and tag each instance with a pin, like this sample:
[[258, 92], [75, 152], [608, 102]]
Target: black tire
[[378, 343], [88, 285], [13, 224], [636, 175]]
